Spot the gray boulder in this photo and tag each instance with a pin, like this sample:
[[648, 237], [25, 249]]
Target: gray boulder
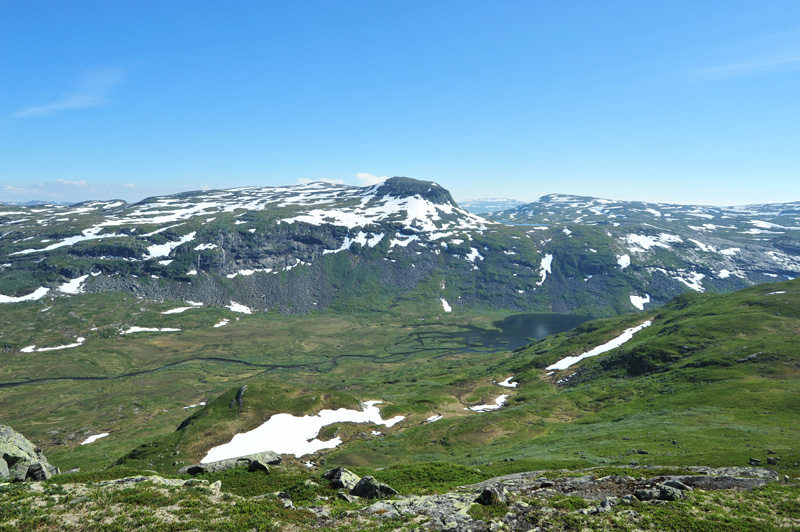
[[341, 478], [258, 465], [369, 488], [493, 496], [261, 461], [659, 492], [21, 460]]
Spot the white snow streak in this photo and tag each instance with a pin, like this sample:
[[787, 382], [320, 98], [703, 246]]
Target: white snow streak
[[566, 362]]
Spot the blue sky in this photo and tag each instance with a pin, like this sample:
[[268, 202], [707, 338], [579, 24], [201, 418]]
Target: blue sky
[[680, 101]]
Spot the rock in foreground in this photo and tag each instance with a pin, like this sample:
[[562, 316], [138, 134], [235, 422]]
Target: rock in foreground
[[20, 460]]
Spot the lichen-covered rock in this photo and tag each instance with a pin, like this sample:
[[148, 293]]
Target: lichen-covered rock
[[262, 460], [369, 488], [493, 496], [21, 460], [341, 478], [162, 481]]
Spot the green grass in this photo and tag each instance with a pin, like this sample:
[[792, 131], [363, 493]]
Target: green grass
[[675, 391]]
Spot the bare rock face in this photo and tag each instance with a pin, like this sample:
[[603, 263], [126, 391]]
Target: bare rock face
[[20, 460]]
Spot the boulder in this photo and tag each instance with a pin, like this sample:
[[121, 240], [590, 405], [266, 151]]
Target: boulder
[[493, 496], [659, 492], [369, 488], [258, 465], [341, 478], [21, 460], [261, 461]]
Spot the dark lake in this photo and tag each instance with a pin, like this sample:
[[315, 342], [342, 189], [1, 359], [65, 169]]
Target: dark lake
[[520, 329], [514, 331]]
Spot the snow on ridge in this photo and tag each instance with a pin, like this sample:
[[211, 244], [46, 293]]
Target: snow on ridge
[[366, 239], [413, 211], [162, 250], [641, 243], [566, 362], [87, 234]]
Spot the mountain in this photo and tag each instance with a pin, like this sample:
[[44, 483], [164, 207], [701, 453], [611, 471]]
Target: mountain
[[318, 245], [128, 345], [490, 205]]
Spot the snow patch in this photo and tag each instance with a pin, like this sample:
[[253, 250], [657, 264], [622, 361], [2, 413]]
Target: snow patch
[[37, 294], [639, 302], [162, 250], [445, 305], [566, 362], [92, 439], [288, 434], [73, 286], [545, 268], [134, 329], [507, 383], [238, 307], [498, 403]]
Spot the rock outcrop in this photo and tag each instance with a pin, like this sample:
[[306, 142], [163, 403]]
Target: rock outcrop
[[21, 460], [254, 462]]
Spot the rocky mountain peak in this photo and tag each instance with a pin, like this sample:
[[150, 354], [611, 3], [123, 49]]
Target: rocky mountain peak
[[405, 187]]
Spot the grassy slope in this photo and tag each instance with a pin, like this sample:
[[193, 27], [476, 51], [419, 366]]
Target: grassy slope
[[676, 381]]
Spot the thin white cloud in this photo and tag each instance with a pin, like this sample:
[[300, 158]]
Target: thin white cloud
[[79, 184], [752, 66], [369, 179], [92, 90], [64, 190], [305, 181]]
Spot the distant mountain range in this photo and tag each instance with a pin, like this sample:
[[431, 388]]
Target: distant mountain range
[[321, 245], [490, 205]]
